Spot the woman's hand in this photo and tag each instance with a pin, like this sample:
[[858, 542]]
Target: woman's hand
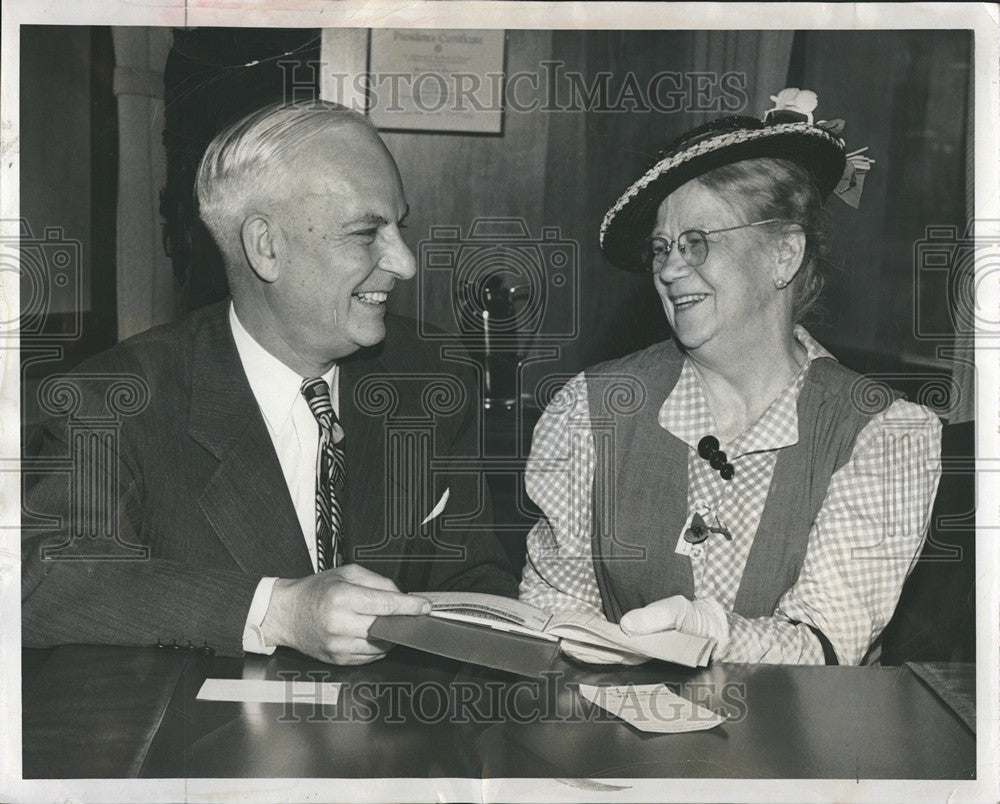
[[703, 617]]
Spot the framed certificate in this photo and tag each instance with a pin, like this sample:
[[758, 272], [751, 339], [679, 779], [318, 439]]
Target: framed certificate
[[437, 80]]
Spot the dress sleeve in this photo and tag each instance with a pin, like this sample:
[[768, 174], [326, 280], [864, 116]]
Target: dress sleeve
[[559, 573], [862, 546]]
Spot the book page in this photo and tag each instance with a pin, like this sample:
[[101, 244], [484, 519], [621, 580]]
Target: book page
[[493, 611]]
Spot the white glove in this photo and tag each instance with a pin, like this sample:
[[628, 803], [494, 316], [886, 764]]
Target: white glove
[[704, 617]]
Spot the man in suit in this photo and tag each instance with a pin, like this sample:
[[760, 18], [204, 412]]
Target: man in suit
[[204, 516]]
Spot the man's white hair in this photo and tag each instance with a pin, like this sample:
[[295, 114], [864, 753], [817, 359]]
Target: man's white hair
[[246, 161]]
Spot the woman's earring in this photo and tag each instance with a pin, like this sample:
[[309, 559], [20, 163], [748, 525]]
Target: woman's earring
[[781, 284]]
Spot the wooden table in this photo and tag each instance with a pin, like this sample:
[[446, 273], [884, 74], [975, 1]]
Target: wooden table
[[120, 712]]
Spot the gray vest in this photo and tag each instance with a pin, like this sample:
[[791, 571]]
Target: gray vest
[[640, 491]]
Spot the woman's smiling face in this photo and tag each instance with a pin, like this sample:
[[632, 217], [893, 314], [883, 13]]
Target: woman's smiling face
[[724, 301]]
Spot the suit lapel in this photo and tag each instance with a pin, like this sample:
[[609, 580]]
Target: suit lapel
[[246, 500], [367, 489]]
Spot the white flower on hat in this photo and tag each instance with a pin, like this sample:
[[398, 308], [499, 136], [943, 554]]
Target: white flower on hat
[[803, 101]]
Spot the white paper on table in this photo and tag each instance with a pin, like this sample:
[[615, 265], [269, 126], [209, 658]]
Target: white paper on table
[[652, 707], [263, 691]]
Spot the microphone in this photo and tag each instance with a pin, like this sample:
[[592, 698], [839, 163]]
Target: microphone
[[708, 448]]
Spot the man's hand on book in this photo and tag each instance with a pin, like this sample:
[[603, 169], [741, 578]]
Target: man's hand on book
[[704, 617], [327, 615]]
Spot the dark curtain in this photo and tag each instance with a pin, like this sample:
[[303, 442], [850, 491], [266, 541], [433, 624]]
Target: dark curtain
[[888, 308], [213, 77], [68, 201]]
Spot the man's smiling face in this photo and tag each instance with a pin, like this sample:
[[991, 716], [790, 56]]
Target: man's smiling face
[[336, 227]]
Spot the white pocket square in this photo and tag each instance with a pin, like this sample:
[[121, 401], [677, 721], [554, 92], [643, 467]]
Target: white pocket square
[[437, 509]]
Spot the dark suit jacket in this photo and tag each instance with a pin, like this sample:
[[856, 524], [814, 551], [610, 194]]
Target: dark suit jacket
[[157, 501]]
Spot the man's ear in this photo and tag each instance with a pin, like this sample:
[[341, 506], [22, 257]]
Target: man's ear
[[258, 237], [789, 254]]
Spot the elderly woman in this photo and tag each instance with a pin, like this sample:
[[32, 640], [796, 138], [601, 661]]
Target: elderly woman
[[737, 481]]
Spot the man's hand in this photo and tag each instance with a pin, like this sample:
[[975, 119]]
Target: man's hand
[[327, 615]]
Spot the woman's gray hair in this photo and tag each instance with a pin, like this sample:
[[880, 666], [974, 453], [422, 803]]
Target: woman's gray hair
[[778, 188], [246, 160]]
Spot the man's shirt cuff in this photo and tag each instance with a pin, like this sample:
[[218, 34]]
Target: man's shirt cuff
[[253, 637]]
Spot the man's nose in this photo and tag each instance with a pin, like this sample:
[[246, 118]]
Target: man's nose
[[397, 258]]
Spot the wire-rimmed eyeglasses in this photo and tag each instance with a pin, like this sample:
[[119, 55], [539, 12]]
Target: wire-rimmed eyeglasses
[[691, 243]]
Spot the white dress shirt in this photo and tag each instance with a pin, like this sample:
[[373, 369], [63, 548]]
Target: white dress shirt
[[295, 435]]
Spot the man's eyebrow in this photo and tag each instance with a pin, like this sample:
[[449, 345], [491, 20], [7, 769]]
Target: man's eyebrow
[[371, 219], [368, 219]]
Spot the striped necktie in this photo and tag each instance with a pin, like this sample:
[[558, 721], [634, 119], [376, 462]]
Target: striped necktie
[[330, 475]]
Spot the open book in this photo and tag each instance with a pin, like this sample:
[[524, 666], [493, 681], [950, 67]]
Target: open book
[[588, 630]]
